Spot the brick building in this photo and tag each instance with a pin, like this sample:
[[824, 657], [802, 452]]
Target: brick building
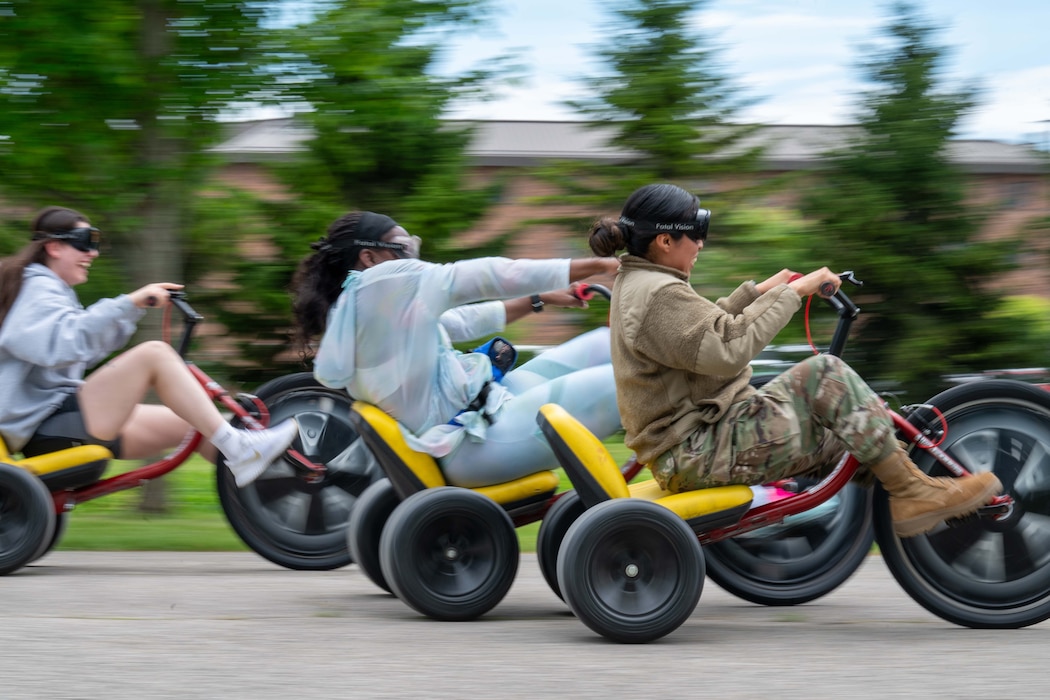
[[1009, 180]]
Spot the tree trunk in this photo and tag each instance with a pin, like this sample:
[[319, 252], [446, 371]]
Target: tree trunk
[[156, 246]]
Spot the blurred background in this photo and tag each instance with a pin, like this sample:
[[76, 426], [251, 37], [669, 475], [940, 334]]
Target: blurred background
[[212, 141]]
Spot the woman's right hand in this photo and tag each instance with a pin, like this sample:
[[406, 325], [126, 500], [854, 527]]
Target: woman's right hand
[[154, 295], [808, 285]]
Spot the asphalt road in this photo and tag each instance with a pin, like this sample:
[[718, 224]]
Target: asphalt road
[[208, 625]]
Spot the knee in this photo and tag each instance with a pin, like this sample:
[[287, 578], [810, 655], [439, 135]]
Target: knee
[[156, 351]]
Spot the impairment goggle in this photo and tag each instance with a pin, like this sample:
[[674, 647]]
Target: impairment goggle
[[696, 229], [84, 239], [404, 250]]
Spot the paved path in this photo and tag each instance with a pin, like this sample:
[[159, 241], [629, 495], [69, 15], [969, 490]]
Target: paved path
[[206, 625]]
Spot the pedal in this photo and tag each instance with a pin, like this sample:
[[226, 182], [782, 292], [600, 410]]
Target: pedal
[[1001, 506], [255, 407], [789, 485]]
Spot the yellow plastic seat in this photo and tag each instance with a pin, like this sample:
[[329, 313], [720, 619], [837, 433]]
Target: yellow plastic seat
[[70, 468], [596, 476], [410, 471]]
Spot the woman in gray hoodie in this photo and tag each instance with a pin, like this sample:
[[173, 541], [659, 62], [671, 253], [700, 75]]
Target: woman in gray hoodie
[[48, 340]]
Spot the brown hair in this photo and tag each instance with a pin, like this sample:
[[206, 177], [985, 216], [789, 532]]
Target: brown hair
[[12, 268], [659, 202]]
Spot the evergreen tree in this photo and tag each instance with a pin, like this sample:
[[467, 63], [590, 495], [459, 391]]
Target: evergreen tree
[[662, 94], [361, 73], [108, 107], [892, 206]]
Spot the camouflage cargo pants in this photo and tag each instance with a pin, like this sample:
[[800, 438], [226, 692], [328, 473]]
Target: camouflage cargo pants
[[800, 422]]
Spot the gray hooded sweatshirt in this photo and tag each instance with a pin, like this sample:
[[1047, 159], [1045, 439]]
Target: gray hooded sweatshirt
[[47, 342]]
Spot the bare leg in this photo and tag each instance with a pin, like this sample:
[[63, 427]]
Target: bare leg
[[153, 430], [110, 396]]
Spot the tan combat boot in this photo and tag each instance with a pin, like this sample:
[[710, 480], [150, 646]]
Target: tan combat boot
[[918, 503]]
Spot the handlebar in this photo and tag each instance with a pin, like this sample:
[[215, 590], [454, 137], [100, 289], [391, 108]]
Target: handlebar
[[844, 307], [190, 318], [586, 292]]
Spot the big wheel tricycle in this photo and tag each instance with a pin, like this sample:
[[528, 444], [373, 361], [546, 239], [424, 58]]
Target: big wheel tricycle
[[632, 565], [294, 515]]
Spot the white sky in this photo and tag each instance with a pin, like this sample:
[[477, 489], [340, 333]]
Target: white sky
[[798, 58]]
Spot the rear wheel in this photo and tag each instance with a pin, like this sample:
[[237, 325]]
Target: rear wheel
[[555, 524], [449, 553], [978, 571], [61, 522], [367, 521], [27, 518], [631, 570], [284, 516]]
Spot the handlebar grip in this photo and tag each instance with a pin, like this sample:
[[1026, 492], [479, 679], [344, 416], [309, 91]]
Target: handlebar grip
[[827, 289], [151, 301], [586, 292]]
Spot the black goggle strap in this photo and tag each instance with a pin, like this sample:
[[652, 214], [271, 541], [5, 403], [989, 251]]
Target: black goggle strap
[[697, 230], [378, 244], [84, 238]]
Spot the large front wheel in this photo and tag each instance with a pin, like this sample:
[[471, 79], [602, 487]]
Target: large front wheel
[[803, 558], [284, 516], [983, 572]]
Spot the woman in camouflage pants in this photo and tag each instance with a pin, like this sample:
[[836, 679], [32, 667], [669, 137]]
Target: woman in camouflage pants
[[681, 364]]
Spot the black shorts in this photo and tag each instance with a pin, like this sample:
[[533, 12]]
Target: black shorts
[[65, 428]]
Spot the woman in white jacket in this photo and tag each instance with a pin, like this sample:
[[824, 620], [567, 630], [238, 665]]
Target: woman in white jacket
[[48, 340], [389, 320]]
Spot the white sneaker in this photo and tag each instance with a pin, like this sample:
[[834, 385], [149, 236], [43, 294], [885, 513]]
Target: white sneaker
[[259, 448]]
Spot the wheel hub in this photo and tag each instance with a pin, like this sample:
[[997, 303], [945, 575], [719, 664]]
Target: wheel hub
[[631, 571]]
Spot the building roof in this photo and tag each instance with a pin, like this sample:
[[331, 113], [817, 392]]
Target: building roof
[[524, 143]]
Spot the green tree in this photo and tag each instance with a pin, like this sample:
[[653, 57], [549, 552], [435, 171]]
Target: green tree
[[363, 75], [663, 95], [109, 106], [662, 89], [894, 207]]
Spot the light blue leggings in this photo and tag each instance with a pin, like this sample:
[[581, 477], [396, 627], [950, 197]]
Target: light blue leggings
[[577, 375]]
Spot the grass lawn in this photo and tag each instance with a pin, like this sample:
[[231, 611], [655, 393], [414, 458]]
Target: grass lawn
[[195, 521]]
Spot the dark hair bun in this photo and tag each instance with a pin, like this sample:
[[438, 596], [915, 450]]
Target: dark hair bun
[[607, 237]]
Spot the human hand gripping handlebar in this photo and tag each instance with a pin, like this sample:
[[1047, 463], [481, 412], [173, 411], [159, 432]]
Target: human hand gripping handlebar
[[844, 307], [586, 292]]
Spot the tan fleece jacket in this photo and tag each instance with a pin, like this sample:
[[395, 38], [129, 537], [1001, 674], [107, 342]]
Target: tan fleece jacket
[[680, 360]]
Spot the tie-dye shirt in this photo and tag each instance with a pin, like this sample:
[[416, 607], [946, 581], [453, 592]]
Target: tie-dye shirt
[[389, 338]]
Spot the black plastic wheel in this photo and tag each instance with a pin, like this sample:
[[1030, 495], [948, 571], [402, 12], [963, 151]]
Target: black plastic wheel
[[631, 570], [449, 553], [27, 518], [61, 522], [367, 520], [283, 516], [805, 557], [980, 572], [555, 524]]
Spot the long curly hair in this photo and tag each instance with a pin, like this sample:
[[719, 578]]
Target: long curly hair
[[318, 279]]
